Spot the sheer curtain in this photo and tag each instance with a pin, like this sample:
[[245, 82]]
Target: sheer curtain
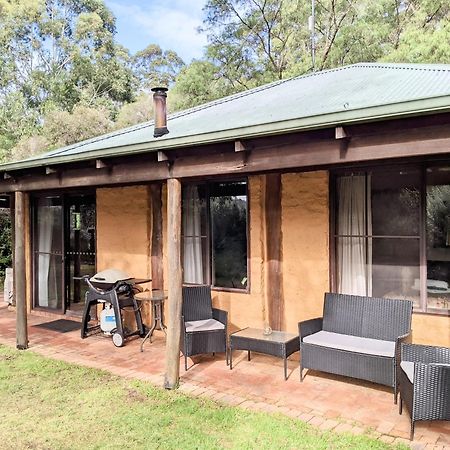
[[355, 220], [45, 231], [193, 255]]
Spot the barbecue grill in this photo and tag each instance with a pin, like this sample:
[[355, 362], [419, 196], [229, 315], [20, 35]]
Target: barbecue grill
[[117, 288]]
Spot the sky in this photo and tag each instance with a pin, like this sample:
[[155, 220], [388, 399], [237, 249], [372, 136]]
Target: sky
[[170, 23]]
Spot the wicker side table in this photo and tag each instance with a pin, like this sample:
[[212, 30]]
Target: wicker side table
[[278, 343]]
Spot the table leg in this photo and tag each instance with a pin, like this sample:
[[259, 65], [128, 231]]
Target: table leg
[[148, 336], [231, 357], [285, 368], [160, 317], [248, 355]]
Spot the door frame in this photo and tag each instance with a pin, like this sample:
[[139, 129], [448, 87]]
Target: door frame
[[64, 239]]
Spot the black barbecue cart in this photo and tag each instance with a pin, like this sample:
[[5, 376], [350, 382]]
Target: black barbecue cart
[[116, 288]]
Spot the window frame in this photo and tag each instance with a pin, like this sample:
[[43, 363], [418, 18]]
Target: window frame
[[210, 271], [421, 237]]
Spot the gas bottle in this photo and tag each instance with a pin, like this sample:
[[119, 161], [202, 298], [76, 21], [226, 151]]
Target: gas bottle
[[107, 319]]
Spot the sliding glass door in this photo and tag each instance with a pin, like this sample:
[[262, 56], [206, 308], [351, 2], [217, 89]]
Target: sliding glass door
[[48, 253], [64, 248], [79, 248]]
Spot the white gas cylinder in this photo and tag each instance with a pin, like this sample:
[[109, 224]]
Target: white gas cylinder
[[107, 319]]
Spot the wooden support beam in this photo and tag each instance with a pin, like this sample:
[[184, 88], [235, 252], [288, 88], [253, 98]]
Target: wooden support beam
[[241, 146], [162, 156], [157, 237], [8, 176], [50, 170], [101, 164], [273, 251], [344, 138], [175, 283], [20, 281], [340, 133], [268, 154]]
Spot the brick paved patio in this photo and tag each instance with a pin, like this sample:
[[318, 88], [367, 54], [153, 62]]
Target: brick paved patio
[[327, 402]]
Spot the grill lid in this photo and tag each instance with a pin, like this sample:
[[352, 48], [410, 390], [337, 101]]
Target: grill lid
[[110, 276]]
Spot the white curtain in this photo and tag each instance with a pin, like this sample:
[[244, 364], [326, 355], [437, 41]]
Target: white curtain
[[46, 223], [193, 260], [354, 219]]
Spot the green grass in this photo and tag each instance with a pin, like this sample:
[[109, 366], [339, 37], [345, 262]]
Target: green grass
[[47, 404]]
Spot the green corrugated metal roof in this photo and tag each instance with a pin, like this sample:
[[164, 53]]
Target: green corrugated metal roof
[[357, 93]]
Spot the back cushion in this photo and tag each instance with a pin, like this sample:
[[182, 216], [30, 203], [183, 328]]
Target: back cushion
[[386, 319], [197, 304], [343, 314]]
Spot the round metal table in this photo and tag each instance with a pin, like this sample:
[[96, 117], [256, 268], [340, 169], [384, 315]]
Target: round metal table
[[156, 298]]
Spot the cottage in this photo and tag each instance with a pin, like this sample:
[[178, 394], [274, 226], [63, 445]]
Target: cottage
[[334, 181]]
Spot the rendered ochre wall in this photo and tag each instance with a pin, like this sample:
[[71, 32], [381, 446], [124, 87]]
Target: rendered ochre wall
[[124, 226], [305, 224], [124, 230]]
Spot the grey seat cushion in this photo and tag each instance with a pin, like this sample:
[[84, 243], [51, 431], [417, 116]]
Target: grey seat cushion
[[352, 343], [408, 368], [204, 325]]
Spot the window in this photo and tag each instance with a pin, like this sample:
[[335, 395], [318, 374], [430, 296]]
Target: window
[[215, 234], [392, 235]]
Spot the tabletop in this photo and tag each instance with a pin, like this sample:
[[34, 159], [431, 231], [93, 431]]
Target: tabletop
[[154, 295], [258, 333]]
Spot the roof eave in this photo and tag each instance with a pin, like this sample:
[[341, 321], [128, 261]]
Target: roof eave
[[371, 114]]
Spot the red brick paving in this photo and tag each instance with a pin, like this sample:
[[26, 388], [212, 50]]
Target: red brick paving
[[326, 401]]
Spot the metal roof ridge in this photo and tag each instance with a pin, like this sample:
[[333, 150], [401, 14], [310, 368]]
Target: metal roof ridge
[[427, 67]]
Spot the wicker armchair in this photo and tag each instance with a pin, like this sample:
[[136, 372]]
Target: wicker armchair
[[203, 328], [424, 382]]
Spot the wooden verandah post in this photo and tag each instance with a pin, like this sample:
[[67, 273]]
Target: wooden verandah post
[[175, 283], [273, 251], [157, 237], [20, 270]]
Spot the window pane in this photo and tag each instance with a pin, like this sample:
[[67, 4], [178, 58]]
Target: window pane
[[396, 202], [195, 235], [228, 206], [48, 252], [438, 238], [396, 269]]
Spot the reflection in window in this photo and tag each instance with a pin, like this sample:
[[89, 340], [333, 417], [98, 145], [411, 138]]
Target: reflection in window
[[215, 234], [438, 238], [378, 230]]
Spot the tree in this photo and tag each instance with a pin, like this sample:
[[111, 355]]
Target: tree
[[5, 243], [55, 54], [156, 67], [136, 112], [61, 128], [198, 83], [252, 42], [249, 39]]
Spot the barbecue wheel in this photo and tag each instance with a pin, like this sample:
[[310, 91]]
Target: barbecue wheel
[[117, 339]]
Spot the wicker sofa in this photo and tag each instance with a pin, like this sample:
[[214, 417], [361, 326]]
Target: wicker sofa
[[357, 337]]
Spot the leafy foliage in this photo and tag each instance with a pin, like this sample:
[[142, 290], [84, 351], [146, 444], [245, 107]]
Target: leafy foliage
[[5, 242], [252, 42], [156, 67], [59, 62]]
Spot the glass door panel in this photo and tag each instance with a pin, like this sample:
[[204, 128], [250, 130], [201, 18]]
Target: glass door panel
[[48, 252], [80, 247], [438, 238]]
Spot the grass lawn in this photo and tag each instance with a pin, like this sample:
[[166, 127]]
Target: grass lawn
[[47, 404]]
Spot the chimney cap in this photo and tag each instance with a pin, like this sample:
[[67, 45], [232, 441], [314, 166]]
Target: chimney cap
[[159, 89]]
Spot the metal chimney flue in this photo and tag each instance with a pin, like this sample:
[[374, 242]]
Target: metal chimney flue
[[160, 111]]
